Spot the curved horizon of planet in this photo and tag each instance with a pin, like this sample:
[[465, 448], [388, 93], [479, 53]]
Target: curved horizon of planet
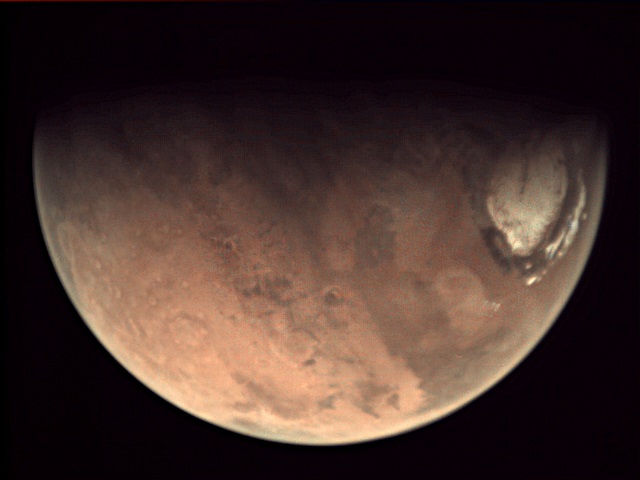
[[313, 268]]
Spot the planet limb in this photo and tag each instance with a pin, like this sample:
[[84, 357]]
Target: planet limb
[[321, 265]]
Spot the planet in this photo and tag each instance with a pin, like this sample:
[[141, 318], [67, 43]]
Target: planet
[[318, 263]]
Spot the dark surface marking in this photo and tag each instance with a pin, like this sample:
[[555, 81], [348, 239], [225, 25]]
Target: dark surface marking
[[327, 403], [394, 401], [369, 393], [498, 247], [277, 289], [333, 297], [375, 243]]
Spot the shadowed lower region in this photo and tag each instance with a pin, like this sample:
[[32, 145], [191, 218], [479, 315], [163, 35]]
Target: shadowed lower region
[[318, 263]]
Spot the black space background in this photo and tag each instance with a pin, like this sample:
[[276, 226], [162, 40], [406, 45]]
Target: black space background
[[570, 410]]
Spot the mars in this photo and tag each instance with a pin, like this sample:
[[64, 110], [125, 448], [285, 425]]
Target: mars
[[313, 263]]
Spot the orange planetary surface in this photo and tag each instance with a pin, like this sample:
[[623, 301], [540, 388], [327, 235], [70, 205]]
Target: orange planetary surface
[[314, 266]]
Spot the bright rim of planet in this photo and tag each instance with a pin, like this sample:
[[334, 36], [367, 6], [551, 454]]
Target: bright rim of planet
[[318, 263]]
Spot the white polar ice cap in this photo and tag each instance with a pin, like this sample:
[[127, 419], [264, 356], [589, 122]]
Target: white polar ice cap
[[526, 193]]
